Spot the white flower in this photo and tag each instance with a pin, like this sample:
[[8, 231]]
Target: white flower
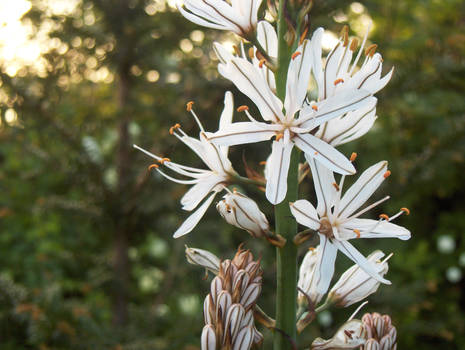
[[238, 16], [205, 181], [355, 284], [288, 129], [307, 280], [204, 258], [350, 335], [241, 211], [340, 74], [336, 222]]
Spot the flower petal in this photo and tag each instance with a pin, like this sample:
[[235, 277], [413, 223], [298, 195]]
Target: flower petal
[[199, 191], [362, 189], [242, 133], [305, 214], [374, 229], [354, 255], [324, 269], [276, 180], [323, 180], [324, 153], [249, 81], [189, 224]]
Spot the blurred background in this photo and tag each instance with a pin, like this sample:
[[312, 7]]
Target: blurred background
[[86, 255]]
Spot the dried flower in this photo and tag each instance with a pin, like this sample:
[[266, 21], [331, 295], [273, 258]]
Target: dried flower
[[381, 334], [355, 284], [241, 211], [228, 309]]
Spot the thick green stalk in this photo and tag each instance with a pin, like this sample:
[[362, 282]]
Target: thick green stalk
[[286, 226]]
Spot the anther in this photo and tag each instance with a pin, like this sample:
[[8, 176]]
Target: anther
[[234, 190], [346, 36], [242, 108], [174, 127], [336, 186], [236, 50], [311, 249], [347, 333], [263, 162], [357, 233], [353, 45], [338, 81], [384, 216], [261, 63], [302, 37], [151, 166], [353, 156], [387, 174], [163, 160], [251, 53], [279, 136], [405, 210], [296, 54], [315, 107], [370, 50], [316, 153], [344, 31], [189, 105]]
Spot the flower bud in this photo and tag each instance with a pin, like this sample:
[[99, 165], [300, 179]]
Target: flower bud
[[355, 284], [381, 334], [204, 258], [351, 335], [241, 211], [307, 283]]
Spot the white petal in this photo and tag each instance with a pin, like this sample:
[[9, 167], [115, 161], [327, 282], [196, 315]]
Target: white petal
[[354, 255], [305, 214], [189, 224], [242, 133], [227, 114], [298, 77], [222, 53], [198, 20], [198, 192], [362, 189], [250, 82], [323, 180], [268, 39], [316, 60], [324, 153], [324, 269], [375, 229], [276, 181]]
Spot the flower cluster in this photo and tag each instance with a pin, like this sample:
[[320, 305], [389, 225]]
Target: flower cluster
[[228, 309], [381, 334]]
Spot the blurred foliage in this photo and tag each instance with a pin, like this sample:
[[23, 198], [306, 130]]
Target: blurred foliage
[[87, 259]]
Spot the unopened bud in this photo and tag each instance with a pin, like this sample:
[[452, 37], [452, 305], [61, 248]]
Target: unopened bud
[[241, 211], [351, 335], [381, 334], [355, 284], [307, 282], [208, 339], [203, 258]]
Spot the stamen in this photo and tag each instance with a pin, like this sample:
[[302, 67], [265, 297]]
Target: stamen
[[311, 249], [387, 174], [370, 50], [174, 127], [384, 216], [345, 35], [336, 186], [338, 81], [387, 258], [353, 156], [189, 105], [263, 162], [261, 63], [353, 45], [347, 333], [279, 136], [405, 210], [242, 108], [357, 233], [315, 108], [163, 160], [259, 55], [236, 50], [151, 166], [316, 153], [371, 206], [360, 51], [295, 55], [251, 53], [302, 37], [357, 310]]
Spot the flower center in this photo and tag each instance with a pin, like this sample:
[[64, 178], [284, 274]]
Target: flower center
[[326, 228]]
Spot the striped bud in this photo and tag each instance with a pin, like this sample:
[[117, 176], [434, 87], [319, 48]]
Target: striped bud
[[381, 334], [203, 258]]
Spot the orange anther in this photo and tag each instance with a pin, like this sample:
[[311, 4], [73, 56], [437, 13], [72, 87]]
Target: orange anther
[[387, 173], [261, 63], [151, 166], [336, 186], [251, 53], [236, 50], [315, 107], [174, 127], [296, 54], [279, 136], [370, 50], [316, 153], [338, 81], [242, 108], [384, 216], [405, 210], [263, 162], [353, 156], [311, 249], [189, 105], [353, 45], [163, 160], [357, 233]]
